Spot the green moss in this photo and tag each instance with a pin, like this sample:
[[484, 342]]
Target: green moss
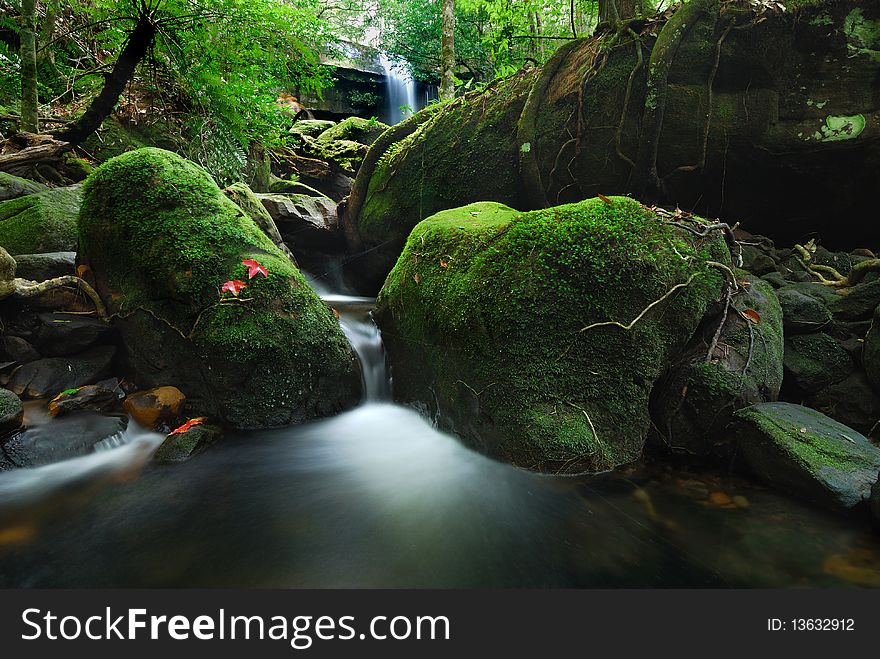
[[355, 129], [162, 238], [12, 187], [485, 308], [41, 222]]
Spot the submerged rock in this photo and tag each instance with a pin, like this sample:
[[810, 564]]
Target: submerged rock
[[694, 403], [11, 412], [805, 453], [42, 222], [181, 446], [485, 314], [161, 239]]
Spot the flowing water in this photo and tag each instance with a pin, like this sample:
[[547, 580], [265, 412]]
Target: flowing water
[[377, 497], [401, 99]]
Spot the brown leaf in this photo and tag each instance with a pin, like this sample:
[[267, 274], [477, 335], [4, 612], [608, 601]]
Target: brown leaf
[[604, 198], [443, 264], [416, 278], [752, 316]]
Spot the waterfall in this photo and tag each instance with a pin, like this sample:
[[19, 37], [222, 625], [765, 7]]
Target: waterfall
[[401, 100]]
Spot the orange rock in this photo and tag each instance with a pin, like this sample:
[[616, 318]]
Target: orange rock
[[150, 407], [720, 499]]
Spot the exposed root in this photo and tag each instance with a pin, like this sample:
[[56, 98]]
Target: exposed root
[[834, 279], [25, 290], [626, 99]]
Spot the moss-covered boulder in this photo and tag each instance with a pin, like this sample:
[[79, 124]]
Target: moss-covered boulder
[[161, 238], [344, 155], [486, 318], [714, 377], [311, 127], [12, 187], [355, 129], [716, 109], [805, 453], [41, 222], [815, 361], [248, 202]]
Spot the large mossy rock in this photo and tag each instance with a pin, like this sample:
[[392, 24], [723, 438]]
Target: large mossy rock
[[805, 453], [790, 105], [161, 238], [41, 222], [356, 129], [695, 401], [12, 187], [483, 318]]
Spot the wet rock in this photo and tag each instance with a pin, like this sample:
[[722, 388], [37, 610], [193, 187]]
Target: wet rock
[[62, 334], [859, 302], [159, 405], [807, 454], [852, 401], [305, 222], [66, 437], [95, 398], [40, 267], [17, 349], [182, 446], [802, 312], [11, 412], [815, 361], [695, 401], [13, 187], [45, 378]]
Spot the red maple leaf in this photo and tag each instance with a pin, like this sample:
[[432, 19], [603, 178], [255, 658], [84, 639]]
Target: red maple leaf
[[233, 286], [186, 426], [254, 268]]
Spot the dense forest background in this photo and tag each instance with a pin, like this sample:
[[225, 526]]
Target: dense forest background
[[208, 73]]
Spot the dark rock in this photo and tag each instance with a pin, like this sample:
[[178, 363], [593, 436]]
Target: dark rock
[[93, 397], [871, 352], [694, 402], [182, 446], [815, 361], [805, 453], [761, 264], [12, 187], [39, 267], [802, 312], [248, 202], [48, 377], [852, 401], [66, 437], [17, 349], [62, 334], [304, 222], [859, 302], [159, 405], [874, 503], [11, 412], [775, 279]]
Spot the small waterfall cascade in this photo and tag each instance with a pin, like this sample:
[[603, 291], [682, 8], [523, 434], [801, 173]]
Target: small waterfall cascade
[[401, 100]]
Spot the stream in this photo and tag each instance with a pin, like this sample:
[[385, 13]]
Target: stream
[[377, 497]]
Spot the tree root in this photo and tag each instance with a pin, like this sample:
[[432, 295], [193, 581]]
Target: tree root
[[25, 290], [834, 279], [530, 172]]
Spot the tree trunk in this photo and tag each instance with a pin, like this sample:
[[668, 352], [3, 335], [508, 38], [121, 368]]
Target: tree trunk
[[139, 42], [617, 10], [29, 120], [447, 51]]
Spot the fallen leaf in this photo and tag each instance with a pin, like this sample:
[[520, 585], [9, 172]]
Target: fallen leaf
[[604, 198], [752, 316], [416, 278], [443, 264], [233, 286], [186, 426], [254, 268]]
